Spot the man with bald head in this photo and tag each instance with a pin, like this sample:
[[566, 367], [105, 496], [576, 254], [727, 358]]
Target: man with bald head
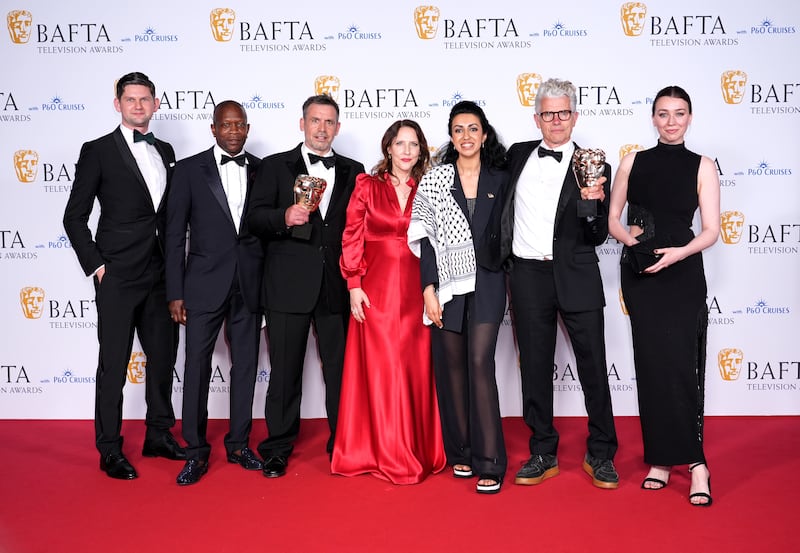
[[217, 281]]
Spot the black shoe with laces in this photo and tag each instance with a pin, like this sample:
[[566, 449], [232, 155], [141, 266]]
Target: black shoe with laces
[[538, 468], [602, 471]]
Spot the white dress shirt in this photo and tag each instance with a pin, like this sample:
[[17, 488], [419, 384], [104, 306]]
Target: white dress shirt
[[150, 164], [234, 183], [319, 170], [536, 201]]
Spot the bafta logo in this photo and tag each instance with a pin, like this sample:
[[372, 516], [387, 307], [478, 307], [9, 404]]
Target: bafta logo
[[426, 21], [729, 361], [731, 224], [527, 87], [222, 21], [31, 298], [622, 303], [625, 149], [26, 165], [19, 25], [631, 15], [136, 367], [327, 84], [733, 83]]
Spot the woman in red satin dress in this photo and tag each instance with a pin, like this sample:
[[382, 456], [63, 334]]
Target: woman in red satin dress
[[388, 414]]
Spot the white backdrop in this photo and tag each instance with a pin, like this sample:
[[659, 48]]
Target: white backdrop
[[57, 90]]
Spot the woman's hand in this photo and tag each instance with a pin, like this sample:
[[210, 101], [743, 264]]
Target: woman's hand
[[358, 302], [432, 307]]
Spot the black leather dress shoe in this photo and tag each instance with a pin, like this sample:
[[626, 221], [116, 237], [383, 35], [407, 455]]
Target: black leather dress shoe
[[164, 446], [192, 472], [117, 466], [275, 466], [246, 458]]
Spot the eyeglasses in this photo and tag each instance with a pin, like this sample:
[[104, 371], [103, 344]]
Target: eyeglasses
[[548, 116]]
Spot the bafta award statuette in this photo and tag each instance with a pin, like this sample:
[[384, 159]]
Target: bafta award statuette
[[588, 165], [307, 193]]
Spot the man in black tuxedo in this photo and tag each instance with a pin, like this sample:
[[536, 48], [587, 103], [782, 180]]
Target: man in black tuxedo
[[218, 281], [128, 172], [302, 282], [550, 251]]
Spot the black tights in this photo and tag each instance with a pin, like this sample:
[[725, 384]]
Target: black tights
[[468, 402]]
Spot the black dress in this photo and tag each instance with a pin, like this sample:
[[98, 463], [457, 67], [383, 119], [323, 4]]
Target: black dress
[[667, 309]]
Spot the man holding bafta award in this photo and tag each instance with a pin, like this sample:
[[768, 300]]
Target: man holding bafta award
[[298, 210], [554, 216]]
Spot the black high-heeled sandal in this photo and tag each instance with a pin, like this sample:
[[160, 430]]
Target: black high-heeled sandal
[[701, 494], [462, 471]]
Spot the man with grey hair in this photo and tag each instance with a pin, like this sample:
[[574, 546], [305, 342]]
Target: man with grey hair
[[548, 247]]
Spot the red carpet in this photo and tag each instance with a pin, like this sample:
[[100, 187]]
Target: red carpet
[[55, 499]]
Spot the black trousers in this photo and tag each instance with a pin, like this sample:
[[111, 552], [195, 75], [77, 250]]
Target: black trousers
[[242, 328], [125, 306], [287, 335], [466, 387], [535, 307]]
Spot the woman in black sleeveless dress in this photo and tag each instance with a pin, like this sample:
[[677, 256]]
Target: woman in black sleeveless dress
[[664, 288]]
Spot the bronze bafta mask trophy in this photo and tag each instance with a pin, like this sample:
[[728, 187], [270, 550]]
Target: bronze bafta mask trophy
[[307, 193], [588, 166]]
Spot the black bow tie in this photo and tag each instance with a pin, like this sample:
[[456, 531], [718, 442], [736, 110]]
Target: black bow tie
[[239, 160], [544, 152], [138, 137], [328, 161]]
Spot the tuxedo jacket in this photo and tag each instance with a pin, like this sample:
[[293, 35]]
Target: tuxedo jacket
[[130, 228], [490, 285], [203, 276], [578, 284], [297, 270]]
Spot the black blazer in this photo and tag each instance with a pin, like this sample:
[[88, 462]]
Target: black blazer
[[575, 264], [130, 228], [490, 287], [297, 270], [203, 277]]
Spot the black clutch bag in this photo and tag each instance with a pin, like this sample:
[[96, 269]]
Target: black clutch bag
[[641, 255]]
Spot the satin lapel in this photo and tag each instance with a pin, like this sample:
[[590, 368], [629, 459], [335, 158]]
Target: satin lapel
[[251, 178], [130, 163], [208, 167], [568, 190], [487, 194], [342, 174]]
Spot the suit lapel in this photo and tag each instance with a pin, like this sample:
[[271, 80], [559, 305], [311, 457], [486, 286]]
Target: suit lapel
[[342, 174], [130, 163], [487, 193], [208, 166], [568, 189]]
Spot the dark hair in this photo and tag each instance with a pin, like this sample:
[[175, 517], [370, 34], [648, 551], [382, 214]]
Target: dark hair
[[228, 103], [493, 153], [323, 99], [391, 133], [134, 78], [673, 91]]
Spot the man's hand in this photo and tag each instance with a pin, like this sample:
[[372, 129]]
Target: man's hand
[[177, 311]]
